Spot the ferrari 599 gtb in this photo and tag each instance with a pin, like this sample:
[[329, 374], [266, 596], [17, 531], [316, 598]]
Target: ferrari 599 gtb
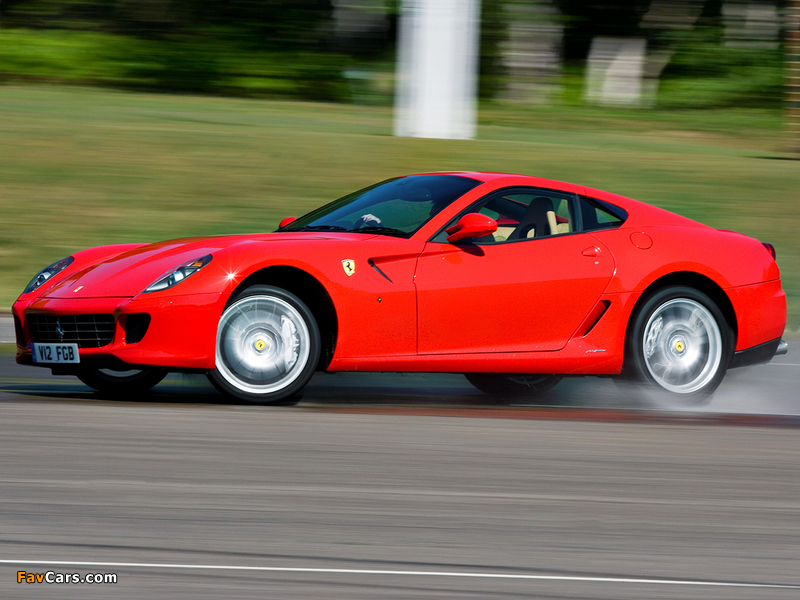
[[513, 281]]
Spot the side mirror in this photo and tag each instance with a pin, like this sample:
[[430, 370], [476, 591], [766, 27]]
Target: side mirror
[[469, 226], [286, 221]]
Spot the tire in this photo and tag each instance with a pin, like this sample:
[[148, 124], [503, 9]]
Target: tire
[[512, 385], [122, 383], [267, 348], [681, 344]]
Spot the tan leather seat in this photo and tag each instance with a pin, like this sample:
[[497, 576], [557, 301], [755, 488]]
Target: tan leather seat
[[538, 221]]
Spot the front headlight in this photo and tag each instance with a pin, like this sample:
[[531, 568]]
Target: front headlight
[[48, 272], [179, 274]]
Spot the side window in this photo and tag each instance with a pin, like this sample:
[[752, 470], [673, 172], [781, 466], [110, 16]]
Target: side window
[[529, 213], [600, 215], [526, 214], [563, 216]]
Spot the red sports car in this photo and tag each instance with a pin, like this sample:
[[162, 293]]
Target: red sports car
[[513, 281]]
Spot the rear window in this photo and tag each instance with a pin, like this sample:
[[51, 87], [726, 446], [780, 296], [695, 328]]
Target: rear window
[[597, 214]]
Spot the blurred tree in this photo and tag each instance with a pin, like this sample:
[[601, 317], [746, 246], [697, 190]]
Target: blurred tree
[[709, 69], [272, 24], [276, 24], [251, 47], [494, 32], [264, 47], [366, 29], [58, 14], [586, 20], [689, 40], [792, 76]]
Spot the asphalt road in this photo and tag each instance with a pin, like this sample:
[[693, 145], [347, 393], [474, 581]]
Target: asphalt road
[[399, 487]]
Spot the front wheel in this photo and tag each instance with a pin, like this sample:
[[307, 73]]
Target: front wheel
[[681, 343], [122, 383], [512, 385], [268, 347]]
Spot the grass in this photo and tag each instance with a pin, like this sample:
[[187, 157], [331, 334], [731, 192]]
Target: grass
[[81, 167]]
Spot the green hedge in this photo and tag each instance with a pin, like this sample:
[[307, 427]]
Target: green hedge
[[177, 64]]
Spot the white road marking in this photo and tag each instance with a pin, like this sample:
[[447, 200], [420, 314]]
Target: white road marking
[[442, 495], [588, 579], [430, 494]]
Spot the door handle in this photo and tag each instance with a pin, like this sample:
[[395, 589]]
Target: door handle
[[591, 251]]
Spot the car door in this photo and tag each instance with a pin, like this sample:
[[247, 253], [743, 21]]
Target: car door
[[510, 295]]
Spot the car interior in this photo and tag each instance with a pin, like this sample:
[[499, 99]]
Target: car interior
[[526, 216]]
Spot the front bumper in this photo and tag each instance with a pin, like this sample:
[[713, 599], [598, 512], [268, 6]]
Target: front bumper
[[181, 334]]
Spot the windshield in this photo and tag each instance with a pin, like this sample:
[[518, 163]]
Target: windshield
[[394, 207]]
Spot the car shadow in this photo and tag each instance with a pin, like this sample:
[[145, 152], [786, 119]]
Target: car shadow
[[343, 390]]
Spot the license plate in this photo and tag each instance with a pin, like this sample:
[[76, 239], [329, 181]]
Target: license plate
[[55, 353]]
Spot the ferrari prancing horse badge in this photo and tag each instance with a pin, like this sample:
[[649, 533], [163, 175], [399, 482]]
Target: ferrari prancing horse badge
[[349, 266]]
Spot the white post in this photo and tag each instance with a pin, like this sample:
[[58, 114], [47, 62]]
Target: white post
[[437, 69]]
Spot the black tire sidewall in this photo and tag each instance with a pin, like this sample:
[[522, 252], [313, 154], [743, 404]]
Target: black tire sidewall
[[284, 395], [637, 369], [122, 385]]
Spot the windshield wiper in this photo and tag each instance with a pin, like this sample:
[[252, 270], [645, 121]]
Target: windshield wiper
[[317, 228], [378, 229]]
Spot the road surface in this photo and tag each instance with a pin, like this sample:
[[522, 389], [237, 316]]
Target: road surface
[[400, 486]]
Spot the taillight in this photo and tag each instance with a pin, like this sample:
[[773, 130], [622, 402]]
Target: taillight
[[770, 248]]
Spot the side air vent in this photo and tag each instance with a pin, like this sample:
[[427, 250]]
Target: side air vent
[[135, 327], [593, 318]]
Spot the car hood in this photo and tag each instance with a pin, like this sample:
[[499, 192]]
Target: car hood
[[127, 274]]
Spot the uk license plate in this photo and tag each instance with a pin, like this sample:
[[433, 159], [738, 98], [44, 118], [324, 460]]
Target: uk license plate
[[55, 353]]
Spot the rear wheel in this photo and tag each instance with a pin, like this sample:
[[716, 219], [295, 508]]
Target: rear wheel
[[512, 385], [122, 383], [680, 343], [268, 347]]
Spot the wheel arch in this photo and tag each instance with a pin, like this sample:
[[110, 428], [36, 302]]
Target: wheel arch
[[690, 279], [309, 289]]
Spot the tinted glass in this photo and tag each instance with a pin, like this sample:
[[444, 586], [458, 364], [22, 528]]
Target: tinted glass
[[600, 215], [394, 207], [523, 214]]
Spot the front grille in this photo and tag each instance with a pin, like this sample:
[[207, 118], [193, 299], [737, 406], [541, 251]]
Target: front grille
[[88, 331]]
